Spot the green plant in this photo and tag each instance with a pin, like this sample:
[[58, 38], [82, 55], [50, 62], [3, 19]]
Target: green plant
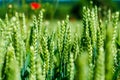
[[33, 53]]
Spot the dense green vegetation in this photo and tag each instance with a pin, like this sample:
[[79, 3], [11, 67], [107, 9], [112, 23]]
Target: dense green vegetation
[[88, 51]]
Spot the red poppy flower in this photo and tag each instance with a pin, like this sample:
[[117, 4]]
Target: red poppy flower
[[35, 5]]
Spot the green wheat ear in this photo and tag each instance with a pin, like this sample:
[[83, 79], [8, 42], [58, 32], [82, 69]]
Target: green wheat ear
[[46, 56], [11, 72], [32, 64], [52, 55], [71, 67], [75, 47], [82, 67], [39, 63], [3, 50], [100, 66], [24, 27]]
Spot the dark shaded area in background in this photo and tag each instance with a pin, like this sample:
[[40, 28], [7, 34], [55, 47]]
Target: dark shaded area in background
[[76, 10], [55, 9]]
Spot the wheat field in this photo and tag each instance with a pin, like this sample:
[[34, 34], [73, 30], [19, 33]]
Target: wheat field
[[88, 50]]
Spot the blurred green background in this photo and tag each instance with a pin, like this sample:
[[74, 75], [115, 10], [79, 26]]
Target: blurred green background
[[55, 9]]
